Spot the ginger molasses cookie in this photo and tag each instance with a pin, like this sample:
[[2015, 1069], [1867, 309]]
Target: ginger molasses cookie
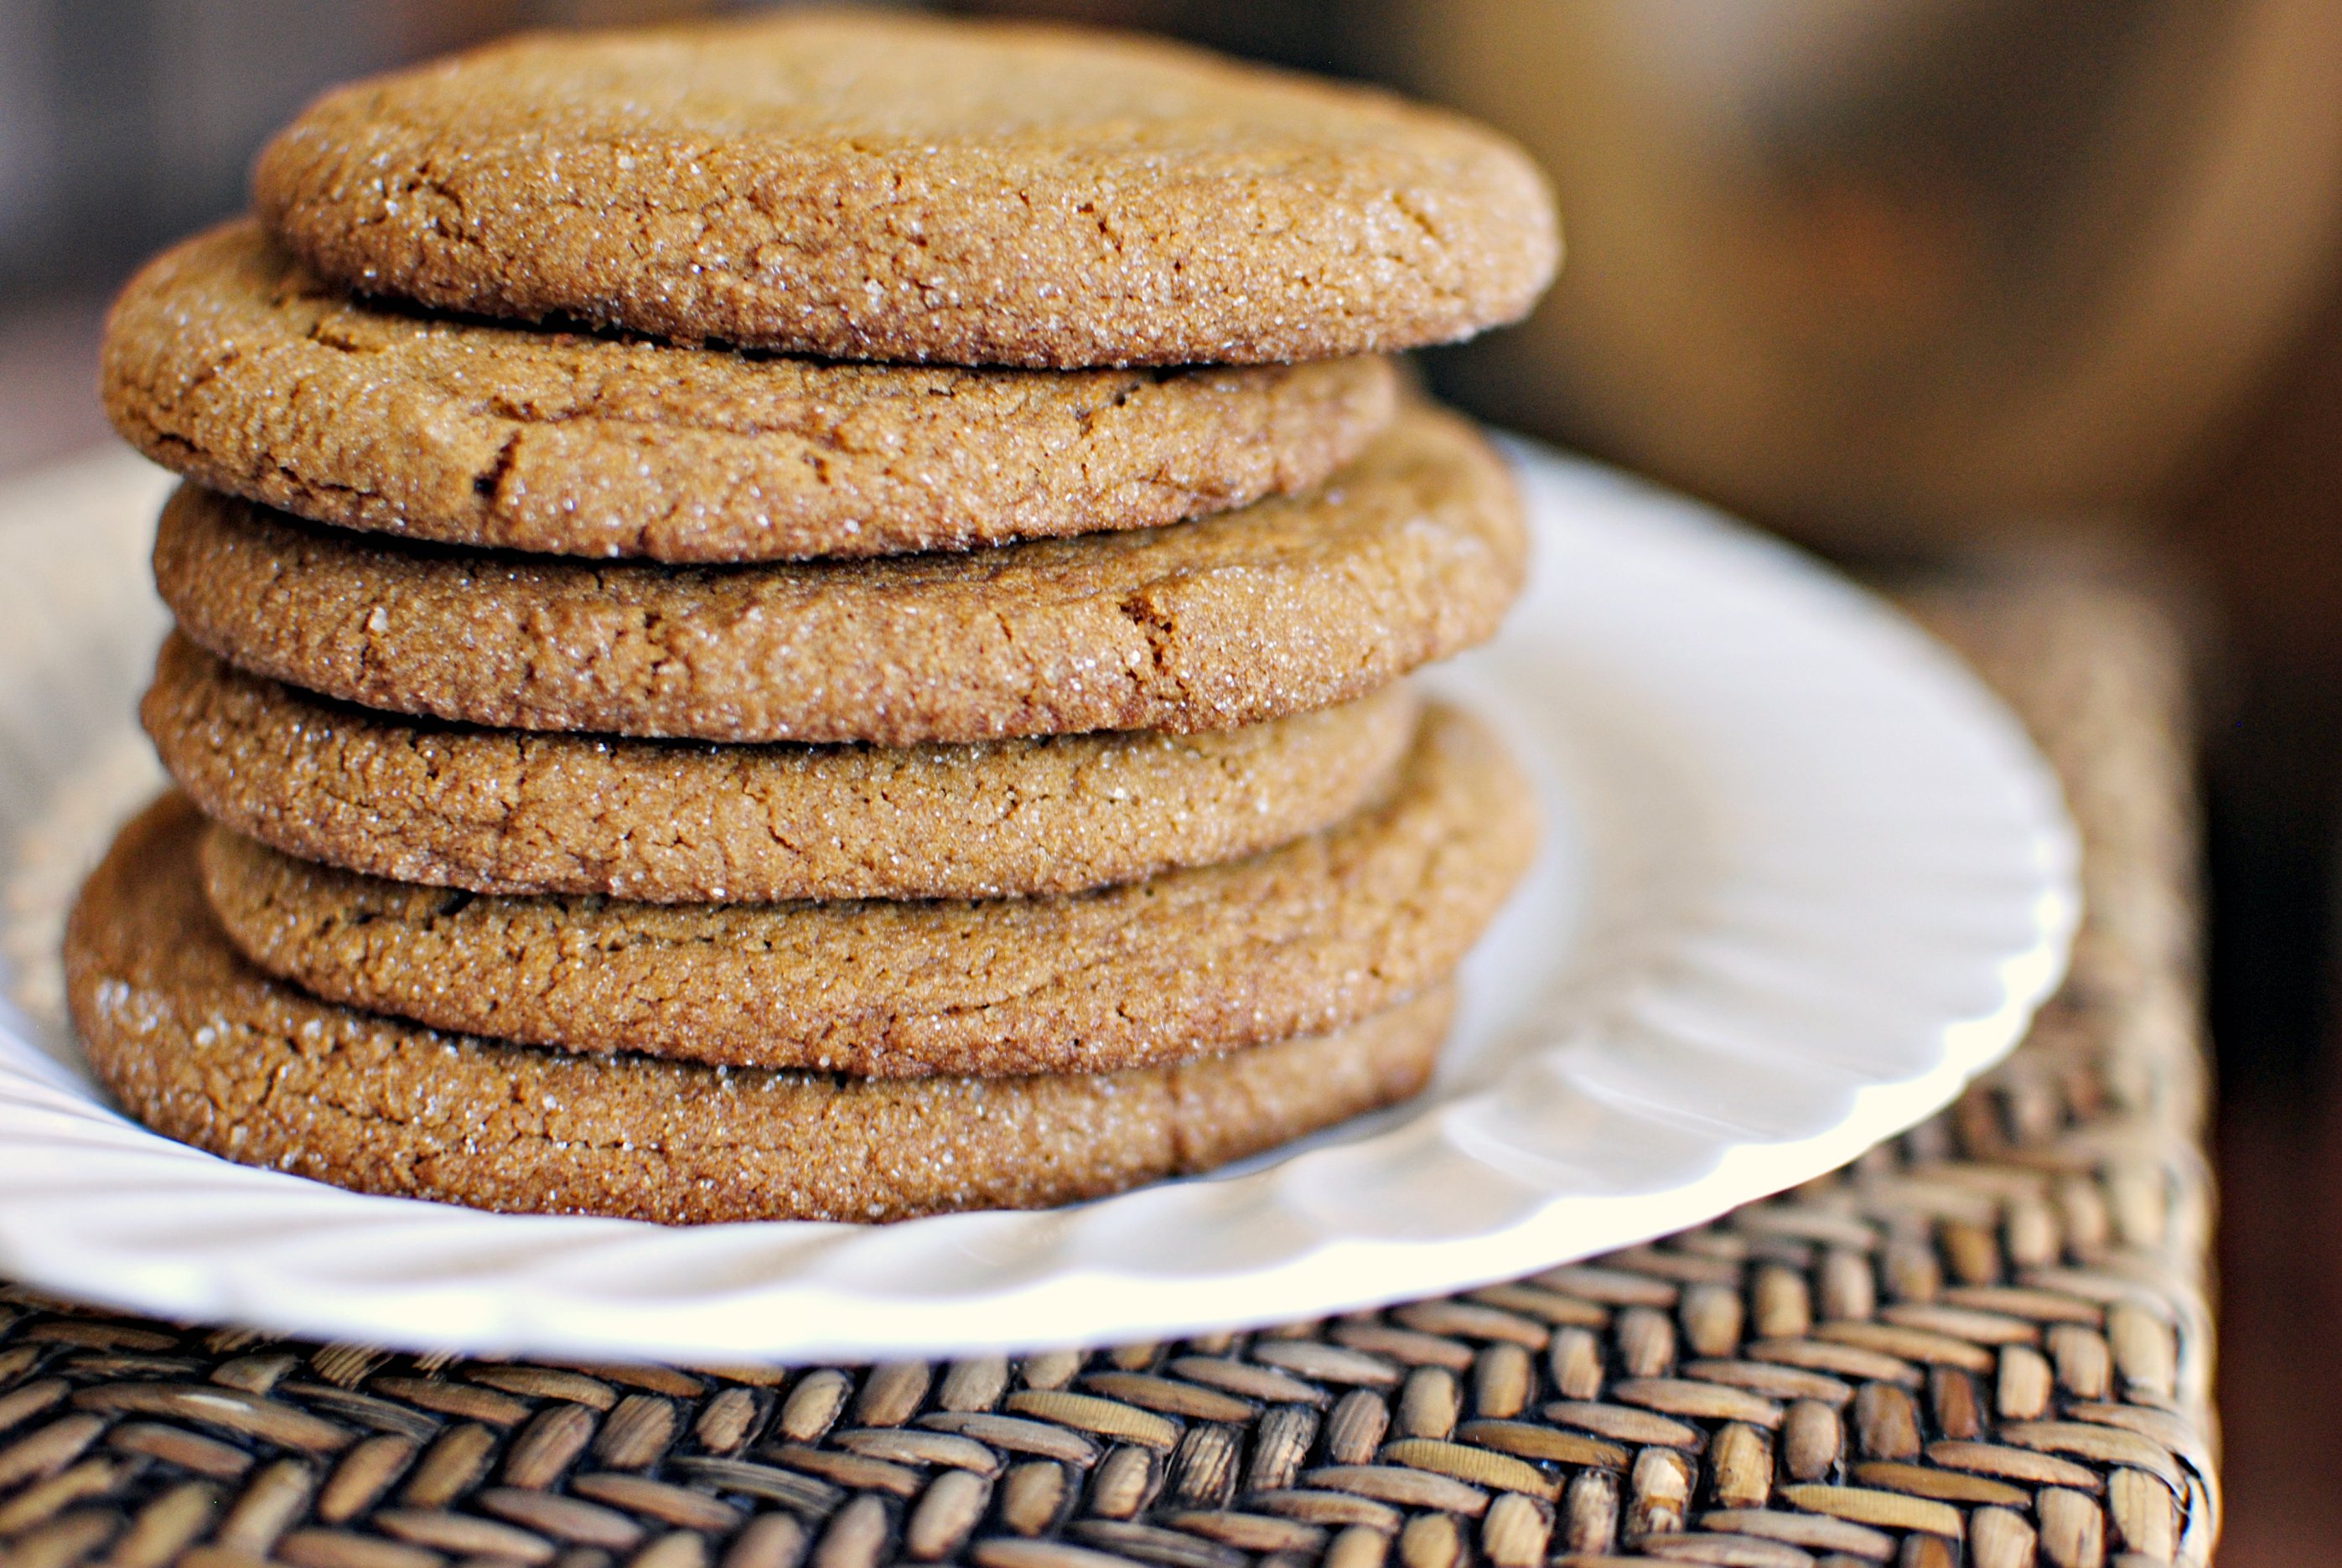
[[229, 362], [205, 1049], [666, 822], [905, 188], [1295, 941], [1407, 554]]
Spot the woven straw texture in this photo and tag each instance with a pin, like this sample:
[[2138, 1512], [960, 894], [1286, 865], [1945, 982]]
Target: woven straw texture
[[1986, 1343]]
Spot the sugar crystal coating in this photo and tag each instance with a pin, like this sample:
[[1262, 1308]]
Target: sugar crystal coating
[[1410, 553], [667, 822], [911, 189], [227, 361], [1298, 940], [205, 1049]]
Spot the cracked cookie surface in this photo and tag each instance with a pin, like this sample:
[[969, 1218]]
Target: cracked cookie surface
[[202, 1047], [1299, 940], [905, 188], [228, 362], [667, 821], [1408, 553]]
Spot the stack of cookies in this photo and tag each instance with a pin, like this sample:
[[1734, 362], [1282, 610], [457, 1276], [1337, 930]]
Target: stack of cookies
[[806, 619]]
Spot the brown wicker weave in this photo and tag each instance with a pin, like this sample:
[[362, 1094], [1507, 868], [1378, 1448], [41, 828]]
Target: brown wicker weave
[[1985, 1342]]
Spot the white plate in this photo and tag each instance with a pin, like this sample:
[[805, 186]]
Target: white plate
[[1803, 878]]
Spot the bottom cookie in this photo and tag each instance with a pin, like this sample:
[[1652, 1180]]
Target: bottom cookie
[[204, 1048]]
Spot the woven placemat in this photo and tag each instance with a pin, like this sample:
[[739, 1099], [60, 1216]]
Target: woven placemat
[[1986, 1343]]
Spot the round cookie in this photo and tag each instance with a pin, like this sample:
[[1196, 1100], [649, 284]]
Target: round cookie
[[669, 822], [228, 362], [203, 1048], [1407, 554], [1297, 941], [905, 189]]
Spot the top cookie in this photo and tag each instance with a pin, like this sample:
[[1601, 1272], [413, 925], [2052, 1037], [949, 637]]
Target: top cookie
[[903, 188], [226, 360]]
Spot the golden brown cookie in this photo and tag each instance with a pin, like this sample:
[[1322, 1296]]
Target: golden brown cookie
[[205, 1049], [907, 188], [1295, 941], [1410, 553], [228, 362], [667, 821]]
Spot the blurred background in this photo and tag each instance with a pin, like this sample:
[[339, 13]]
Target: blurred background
[[1900, 278]]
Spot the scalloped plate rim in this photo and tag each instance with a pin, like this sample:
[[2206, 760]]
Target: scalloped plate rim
[[800, 1308]]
